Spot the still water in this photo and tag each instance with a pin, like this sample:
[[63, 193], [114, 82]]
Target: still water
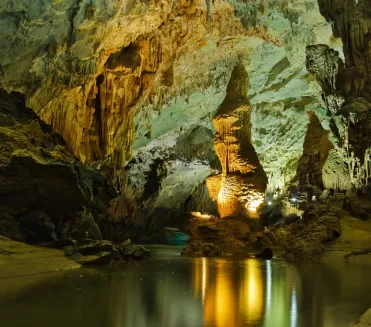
[[173, 291]]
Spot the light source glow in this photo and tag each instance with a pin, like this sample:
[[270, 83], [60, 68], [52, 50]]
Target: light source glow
[[204, 279], [198, 214], [254, 205], [294, 310]]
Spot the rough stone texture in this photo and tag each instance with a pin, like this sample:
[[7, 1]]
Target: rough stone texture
[[45, 193], [93, 252], [96, 252], [134, 86], [241, 185], [346, 85], [309, 179], [127, 83], [305, 240], [315, 153], [232, 236], [201, 249]]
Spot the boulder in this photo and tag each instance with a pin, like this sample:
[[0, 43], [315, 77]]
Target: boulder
[[93, 252], [232, 235], [131, 252], [61, 243], [359, 203], [102, 252], [305, 240], [100, 258], [46, 193], [9, 226], [92, 247], [141, 254]]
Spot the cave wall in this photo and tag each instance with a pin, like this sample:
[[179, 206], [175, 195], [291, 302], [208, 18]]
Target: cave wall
[[345, 87], [133, 87], [46, 194]]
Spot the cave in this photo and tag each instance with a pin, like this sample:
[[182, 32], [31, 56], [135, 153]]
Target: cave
[[185, 163]]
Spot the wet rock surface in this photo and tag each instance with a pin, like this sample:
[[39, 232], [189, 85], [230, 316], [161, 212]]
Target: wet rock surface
[[233, 236], [202, 249], [96, 252]]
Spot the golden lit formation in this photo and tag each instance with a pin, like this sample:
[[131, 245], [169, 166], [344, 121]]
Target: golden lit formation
[[241, 185], [197, 214], [254, 205]]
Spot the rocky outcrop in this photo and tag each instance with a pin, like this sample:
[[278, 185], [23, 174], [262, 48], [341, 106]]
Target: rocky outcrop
[[46, 193], [202, 249], [265, 254], [96, 252], [225, 236], [157, 97], [128, 84], [346, 85], [315, 153], [306, 239]]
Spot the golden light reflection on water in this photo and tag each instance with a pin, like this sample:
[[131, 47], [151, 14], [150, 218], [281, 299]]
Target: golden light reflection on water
[[229, 293], [251, 291], [226, 301]]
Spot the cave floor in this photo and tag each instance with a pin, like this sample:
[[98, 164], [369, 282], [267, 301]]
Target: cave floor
[[17, 259], [355, 236]]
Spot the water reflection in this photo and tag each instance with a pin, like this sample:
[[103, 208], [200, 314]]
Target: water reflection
[[243, 300], [181, 292], [241, 294]]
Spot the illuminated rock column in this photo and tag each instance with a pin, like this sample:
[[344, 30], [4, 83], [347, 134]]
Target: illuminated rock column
[[241, 186]]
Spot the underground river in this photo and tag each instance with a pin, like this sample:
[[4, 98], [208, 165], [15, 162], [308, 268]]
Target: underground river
[[174, 291]]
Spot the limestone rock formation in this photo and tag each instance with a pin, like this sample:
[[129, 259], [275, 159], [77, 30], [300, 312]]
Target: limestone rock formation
[[167, 108], [228, 236], [46, 193], [309, 179], [242, 183], [125, 83], [306, 239], [345, 85]]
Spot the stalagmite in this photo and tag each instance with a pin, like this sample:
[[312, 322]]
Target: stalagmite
[[241, 186]]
